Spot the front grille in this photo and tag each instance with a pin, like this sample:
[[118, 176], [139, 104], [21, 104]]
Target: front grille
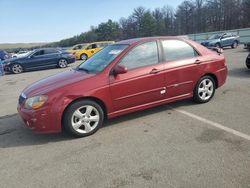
[[21, 99]]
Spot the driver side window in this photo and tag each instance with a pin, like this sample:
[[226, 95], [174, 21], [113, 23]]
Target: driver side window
[[38, 53], [143, 55]]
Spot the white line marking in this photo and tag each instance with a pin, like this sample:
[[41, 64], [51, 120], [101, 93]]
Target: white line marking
[[214, 124]]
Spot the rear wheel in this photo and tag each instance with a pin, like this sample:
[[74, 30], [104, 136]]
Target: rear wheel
[[248, 66], [17, 68], [84, 57], [62, 63], [204, 90], [83, 118]]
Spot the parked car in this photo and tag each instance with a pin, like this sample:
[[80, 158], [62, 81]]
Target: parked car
[[222, 40], [4, 55], [128, 76], [20, 54], [247, 45], [248, 61], [86, 50], [39, 59]]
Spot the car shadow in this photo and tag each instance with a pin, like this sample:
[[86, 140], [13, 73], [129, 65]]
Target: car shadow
[[240, 72], [13, 132]]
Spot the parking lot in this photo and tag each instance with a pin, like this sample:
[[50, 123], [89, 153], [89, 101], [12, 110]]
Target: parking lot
[[176, 145]]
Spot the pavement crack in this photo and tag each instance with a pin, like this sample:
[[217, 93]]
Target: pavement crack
[[8, 131]]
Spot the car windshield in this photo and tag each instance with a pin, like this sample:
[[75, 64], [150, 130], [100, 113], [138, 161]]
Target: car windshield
[[77, 47], [214, 37], [102, 59], [29, 53]]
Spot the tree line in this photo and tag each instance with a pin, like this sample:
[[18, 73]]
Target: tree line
[[191, 16]]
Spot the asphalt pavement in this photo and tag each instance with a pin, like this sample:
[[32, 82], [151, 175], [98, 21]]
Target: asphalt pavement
[[180, 145]]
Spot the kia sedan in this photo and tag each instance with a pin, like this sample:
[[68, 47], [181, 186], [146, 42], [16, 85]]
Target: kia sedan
[[39, 59], [124, 77]]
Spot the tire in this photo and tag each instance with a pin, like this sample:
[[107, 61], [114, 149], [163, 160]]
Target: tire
[[16, 68], [234, 45], [83, 118], [62, 63], [84, 57], [248, 66], [204, 89], [217, 45]]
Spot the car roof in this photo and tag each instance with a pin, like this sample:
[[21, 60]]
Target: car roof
[[145, 39], [46, 49], [102, 42]]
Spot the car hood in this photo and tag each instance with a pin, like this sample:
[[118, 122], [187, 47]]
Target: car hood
[[56, 81], [15, 59]]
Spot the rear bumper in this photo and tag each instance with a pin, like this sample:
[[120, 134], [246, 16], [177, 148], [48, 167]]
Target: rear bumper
[[221, 76]]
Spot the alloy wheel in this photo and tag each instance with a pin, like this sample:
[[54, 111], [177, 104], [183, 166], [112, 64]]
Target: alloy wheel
[[62, 63], [85, 119], [206, 89], [16, 68]]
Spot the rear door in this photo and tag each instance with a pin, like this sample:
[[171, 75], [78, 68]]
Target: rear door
[[92, 49], [34, 60], [43, 58], [227, 40], [144, 81], [182, 64], [51, 57]]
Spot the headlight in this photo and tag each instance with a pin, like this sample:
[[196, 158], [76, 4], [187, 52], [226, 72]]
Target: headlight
[[35, 102]]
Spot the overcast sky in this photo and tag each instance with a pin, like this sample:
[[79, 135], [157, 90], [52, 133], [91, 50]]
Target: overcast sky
[[53, 20]]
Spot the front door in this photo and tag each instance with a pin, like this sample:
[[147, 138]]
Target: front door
[[144, 81]]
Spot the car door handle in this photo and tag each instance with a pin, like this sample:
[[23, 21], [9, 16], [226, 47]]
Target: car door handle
[[197, 61], [155, 71]]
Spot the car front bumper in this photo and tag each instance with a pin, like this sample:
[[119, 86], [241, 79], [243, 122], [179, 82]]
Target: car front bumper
[[248, 61], [247, 46], [39, 121], [71, 60]]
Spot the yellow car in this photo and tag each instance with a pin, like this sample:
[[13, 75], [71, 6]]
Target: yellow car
[[86, 50]]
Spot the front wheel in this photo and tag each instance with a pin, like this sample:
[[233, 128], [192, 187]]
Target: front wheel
[[84, 57], [62, 63], [217, 45], [234, 45], [204, 90], [83, 118], [17, 68]]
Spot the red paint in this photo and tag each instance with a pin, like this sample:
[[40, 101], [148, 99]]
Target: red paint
[[134, 90]]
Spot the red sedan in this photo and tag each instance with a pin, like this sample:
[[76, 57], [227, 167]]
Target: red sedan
[[124, 77]]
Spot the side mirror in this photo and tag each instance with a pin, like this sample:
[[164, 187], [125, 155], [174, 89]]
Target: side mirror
[[120, 69]]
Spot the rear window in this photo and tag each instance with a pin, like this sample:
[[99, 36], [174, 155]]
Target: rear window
[[177, 50], [50, 51]]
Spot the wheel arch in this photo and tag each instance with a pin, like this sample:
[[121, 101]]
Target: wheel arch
[[84, 53], [95, 99], [214, 77]]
